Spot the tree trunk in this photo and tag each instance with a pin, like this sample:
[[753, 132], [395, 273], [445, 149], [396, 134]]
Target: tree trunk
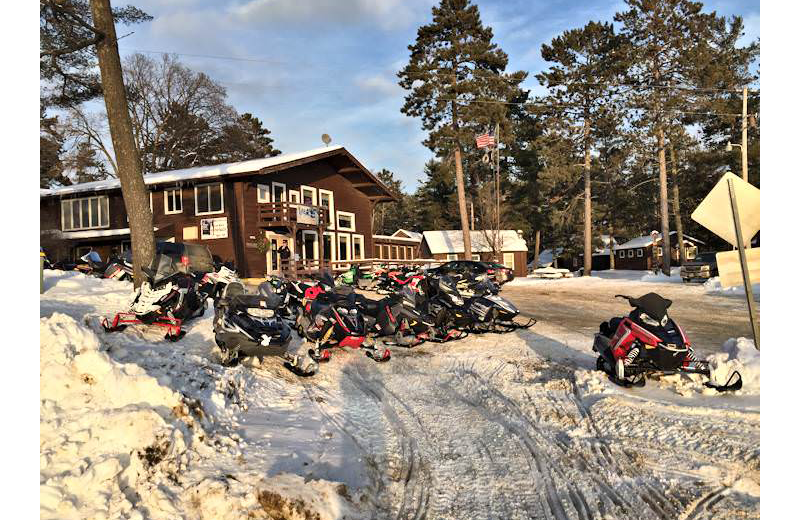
[[611, 258], [537, 243], [587, 201], [662, 181], [137, 202], [676, 205]]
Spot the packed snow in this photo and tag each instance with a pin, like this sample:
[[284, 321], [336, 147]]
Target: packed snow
[[518, 425]]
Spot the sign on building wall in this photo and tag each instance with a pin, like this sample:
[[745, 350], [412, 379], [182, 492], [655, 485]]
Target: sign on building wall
[[213, 228], [307, 215], [190, 233]]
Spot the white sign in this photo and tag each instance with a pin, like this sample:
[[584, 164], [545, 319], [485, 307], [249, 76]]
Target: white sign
[[307, 215], [715, 211], [730, 269], [213, 228]]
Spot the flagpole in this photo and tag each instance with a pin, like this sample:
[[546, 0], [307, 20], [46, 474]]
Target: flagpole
[[497, 187]]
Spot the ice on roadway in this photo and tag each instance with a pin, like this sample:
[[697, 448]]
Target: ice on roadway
[[493, 426]]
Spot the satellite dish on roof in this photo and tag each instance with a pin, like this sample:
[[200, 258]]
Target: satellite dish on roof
[[326, 139]]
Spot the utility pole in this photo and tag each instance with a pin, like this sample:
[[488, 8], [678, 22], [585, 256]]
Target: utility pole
[[744, 134], [497, 240]]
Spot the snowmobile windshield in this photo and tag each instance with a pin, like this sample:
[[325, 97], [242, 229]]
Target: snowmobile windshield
[[448, 286], [163, 267], [92, 256], [327, 280], [652, 309], [273, 299]]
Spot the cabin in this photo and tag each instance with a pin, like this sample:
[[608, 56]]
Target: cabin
[[449, 245], [637, 253], [400, 245], [318, 203]]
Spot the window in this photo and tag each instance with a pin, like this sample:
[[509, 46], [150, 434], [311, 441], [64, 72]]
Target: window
[[294, 196], [622, 253], [630, 253], [660, 251], [87, 213], [278, 192], [308, 195], [639, 253], [452, 256], [344, 247], [386, 252], [173, 201], [691, 252], [327, 246], [409, 252], [326, 201], [358, 247], [208, 199], [263, 193], [476, 257], [508, 260], [394, 253], [345, 221]]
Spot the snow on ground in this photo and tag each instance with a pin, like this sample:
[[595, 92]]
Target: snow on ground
[[630, 278], [514, 425]]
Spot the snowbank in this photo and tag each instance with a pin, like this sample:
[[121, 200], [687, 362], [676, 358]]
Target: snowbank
[[130, 428], [674, 276], [738, 354], [713, 286]]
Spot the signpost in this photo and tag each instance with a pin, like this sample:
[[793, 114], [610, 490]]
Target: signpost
[[732, 211]]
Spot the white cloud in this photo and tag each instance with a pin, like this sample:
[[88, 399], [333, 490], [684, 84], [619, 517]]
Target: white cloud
[[379, 84]]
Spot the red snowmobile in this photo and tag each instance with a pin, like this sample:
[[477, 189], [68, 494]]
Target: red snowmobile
[[648, 342]]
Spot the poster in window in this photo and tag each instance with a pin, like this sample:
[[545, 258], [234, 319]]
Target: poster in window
[[211, 228]]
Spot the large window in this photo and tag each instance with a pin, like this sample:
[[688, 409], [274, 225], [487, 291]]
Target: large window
[[358, 247], [87, 213], [345, 221], [328, 251], [343, 247], [173, 201], [208, 199], [326, 201], [308, 195]]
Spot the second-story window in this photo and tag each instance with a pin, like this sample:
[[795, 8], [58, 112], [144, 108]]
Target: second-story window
[[208, 199], [173, 201], [345, 221], [86, 213]]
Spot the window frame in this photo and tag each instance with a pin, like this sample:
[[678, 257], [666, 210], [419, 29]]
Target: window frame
[[70, 204], [352, 221], [221, 198], [452, 257], [294, 194], [267, 190], [166, 197], [353, 238], [639, 253], [314, 197], [334, 251], [331, 209], [339, 237], [630, 253], [283, 193]]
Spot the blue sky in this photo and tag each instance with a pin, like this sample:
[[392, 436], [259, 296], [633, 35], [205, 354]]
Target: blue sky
[[329, 66]]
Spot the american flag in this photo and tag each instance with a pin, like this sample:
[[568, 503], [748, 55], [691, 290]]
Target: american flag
[[485, 140]]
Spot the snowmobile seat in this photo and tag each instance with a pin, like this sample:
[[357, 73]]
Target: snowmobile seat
[[608, 328]]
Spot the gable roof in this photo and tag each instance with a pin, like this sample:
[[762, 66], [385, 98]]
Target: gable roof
[[403, 233], [645, 241], [452, 241], [373, 188]]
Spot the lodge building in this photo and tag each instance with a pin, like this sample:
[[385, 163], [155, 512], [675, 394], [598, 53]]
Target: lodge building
[[319, 203]]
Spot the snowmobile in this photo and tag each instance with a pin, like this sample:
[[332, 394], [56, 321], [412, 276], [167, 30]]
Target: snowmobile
[[356, 277], [396, 315], [118, 269], [214, 283], [394, 279], [331, 319], [492, 312], [649, 342], [438, 300], [247, 325], [167, 298]]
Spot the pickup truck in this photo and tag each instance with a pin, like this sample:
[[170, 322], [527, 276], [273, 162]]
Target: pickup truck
[[702, 267]]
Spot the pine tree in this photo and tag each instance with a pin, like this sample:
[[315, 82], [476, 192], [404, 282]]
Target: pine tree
[[586, 62], [435, 201], [388, 217], [51, 143], [454, 73], [673, 44]]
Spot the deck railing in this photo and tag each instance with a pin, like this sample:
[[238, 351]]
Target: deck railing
[[295, 269], [289, 214]]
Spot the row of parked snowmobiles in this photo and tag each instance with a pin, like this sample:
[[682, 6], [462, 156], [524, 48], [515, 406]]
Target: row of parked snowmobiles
[[420, 306]]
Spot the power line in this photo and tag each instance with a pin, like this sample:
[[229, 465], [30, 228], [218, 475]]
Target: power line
[[232, 58]]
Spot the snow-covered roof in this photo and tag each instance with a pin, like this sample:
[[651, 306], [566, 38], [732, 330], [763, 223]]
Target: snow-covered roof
[[645, 241], [94, 233], [452, 241], [392, 237], [546, 257], [200, 172], [410, 234]]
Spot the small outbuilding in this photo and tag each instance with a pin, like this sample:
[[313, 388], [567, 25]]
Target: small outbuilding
[[449, 245], [637, 253]]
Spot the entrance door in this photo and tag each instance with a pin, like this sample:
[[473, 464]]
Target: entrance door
[[310, 247], [276, 240]]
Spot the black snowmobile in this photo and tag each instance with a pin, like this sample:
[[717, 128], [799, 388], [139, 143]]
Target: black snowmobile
[[333, 319], [492, 312], [167, 298], [648, 342], [439, 301], [248, 325], [396, 316]]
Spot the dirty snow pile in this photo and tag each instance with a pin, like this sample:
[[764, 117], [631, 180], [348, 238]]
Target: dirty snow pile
[[714, 286], [137, 428]]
